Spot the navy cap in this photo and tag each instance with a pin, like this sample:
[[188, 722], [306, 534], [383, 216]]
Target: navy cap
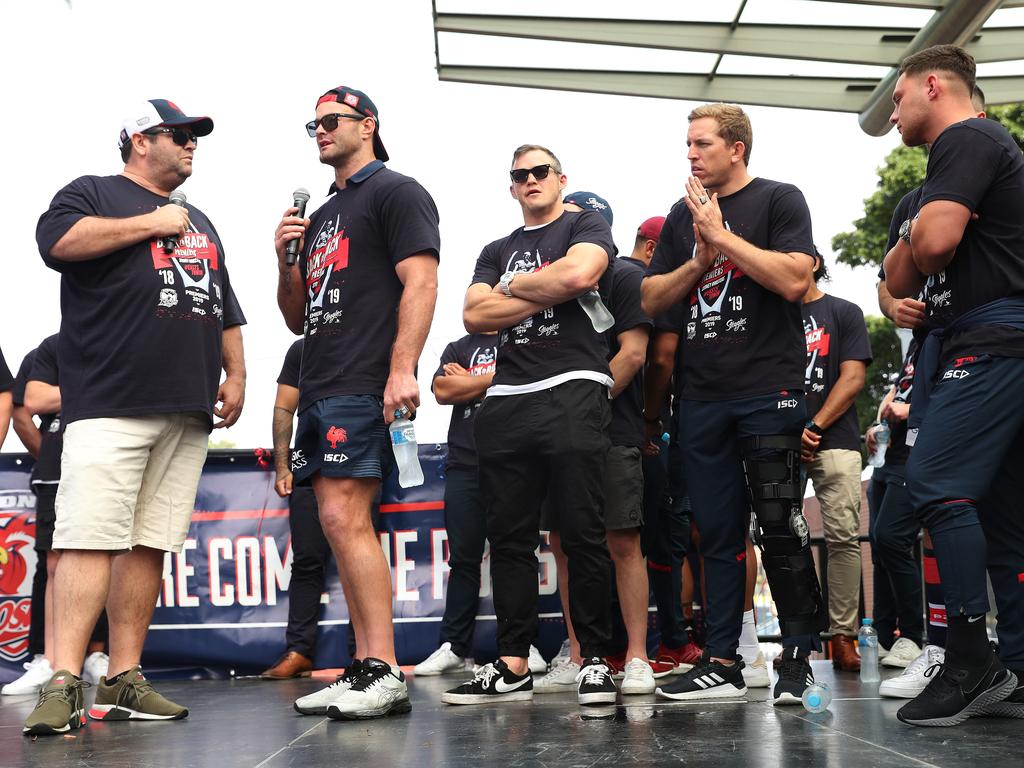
[[362, 104], [593, 202]]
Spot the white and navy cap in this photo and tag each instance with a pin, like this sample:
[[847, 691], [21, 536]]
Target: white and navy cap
[[594, 202], [160, 112]]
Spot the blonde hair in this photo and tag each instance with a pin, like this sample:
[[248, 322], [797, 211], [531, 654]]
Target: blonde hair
[[733, 124], [556, 165]]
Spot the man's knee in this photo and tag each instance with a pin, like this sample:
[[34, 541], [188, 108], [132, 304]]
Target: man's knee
[[624, 545]]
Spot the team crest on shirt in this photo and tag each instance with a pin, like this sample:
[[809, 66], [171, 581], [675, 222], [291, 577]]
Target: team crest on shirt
[[525, 261], [818, 338], [482, 361], [17, 566], [713, 287]]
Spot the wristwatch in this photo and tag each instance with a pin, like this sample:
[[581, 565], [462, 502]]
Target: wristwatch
[[506, 283], [905, 231], [812, 427]]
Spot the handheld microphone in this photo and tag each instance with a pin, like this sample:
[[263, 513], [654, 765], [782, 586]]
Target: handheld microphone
[[171, 241], [300, 198]]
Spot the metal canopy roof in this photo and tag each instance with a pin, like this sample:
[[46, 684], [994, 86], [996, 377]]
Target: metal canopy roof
[[960, 22]]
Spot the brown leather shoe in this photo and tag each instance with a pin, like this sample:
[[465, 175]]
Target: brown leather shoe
[[844, 653], [292, 664]]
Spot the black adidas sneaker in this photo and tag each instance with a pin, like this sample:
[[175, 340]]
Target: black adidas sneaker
[[795, 676], [493, 683], [707, 680]]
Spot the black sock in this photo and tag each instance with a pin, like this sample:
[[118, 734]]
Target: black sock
[[967, 641], [117, 678]]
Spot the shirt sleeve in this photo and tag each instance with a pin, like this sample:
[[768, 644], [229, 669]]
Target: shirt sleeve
[[232, 309], [450, 355], [590, 227], [625, 299], [74, 202], [790, 223], [962, 164], [18, 389], [6, 379], [44, 366], [292, 366], [856, 345], [487, 270], [667, 255], [410, 222]]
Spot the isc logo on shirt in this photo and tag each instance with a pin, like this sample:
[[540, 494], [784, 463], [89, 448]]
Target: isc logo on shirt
[[337, 458]]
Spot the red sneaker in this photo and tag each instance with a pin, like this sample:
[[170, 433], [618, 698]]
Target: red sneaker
[[683, 658], [661, 668], [616, 665]]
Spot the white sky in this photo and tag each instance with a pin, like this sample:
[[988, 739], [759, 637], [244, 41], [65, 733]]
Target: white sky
[[257, 68]]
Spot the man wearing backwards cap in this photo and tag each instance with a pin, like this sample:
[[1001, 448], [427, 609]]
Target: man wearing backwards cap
[[364, 289], [138, 404]]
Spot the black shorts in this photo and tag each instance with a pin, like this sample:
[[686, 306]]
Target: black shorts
[[343, 436], [623, 492], [46, 515]]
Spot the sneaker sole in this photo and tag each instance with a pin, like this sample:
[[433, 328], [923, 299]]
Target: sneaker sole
[[1004, 709], [639, 689], [899, 693], [718, 692], [590, 699], [993, 695], [438, 672], [43, 729], [895, 663], [786, 699], [485, 698], [113, 712], [558, 688], [403, 707], [310, 710], [757, 681]]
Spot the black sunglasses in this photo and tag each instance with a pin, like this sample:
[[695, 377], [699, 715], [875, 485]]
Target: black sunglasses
[[330, 121], [179, 136], [540, 172]]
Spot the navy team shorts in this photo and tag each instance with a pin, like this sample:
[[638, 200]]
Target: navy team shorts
[[342, 436]]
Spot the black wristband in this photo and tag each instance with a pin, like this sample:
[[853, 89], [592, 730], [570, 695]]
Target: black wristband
[[812, 427]]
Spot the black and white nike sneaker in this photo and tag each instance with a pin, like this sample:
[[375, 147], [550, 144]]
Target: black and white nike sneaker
[[492, 683], [594, 683], [956, 693], [795, 676], [1012, 705], [707, 680]]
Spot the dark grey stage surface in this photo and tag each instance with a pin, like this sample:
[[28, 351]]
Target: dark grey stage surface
[[252, 723]]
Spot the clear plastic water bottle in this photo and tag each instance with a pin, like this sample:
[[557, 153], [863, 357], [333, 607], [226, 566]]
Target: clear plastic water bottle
[[882, 434], [403, 443], [867, 640], [817, 697], [598, 313]]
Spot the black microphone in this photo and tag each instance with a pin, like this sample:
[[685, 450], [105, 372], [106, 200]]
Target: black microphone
[[171, 241], [301, 197]]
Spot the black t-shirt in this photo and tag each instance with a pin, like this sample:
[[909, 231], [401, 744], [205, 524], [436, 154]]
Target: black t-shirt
[[835, 333], [977, 164], [898, 450], [739, 338], [907, 208], [477, 353], [292, 365], [6, 380], [560, 339], [141, 330], [51, 426], [627, 428], [21, 379], [353, 243]]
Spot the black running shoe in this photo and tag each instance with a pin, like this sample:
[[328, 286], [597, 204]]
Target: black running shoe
[[594, 683], [493, 683], [707, 680], [946, 701], [1011, 706], [794, 676]]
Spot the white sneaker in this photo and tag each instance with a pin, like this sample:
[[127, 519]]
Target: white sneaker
[[755, 674], [561, 678], [440, 661], [37, 674], [317, 703], [903, 653], [915, 677], [95, 667], [563, 655], [376, 692], [536, 661], [638, 678]]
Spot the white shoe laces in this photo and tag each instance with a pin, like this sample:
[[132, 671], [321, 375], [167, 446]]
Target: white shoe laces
[[485, 674], [593, 674]]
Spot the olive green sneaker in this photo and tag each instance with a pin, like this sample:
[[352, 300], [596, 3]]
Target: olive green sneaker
[[133, 698], [61, 706]]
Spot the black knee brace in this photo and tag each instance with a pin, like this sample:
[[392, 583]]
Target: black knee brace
[[772, 467]]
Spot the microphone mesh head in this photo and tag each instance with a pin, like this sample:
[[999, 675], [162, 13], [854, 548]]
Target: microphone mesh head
[[176, 197], [301, 194]]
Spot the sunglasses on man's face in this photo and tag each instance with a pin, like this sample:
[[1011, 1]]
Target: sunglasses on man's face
[[330, 121], [179, 136], [540, 172]]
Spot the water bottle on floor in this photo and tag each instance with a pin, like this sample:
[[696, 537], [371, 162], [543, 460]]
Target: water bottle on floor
[[882, 434], [867, 640], [817, 697], [403, 443]]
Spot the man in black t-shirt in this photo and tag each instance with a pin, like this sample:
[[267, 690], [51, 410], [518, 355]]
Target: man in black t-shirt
[[838, 354], [363, 293], [148, 321], [737, 252], [6, 402], [963, 475], [543, 428]]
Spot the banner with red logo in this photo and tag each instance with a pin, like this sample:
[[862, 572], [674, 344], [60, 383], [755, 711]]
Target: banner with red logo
[[224, 598]]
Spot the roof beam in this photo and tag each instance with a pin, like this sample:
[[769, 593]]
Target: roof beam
[[925, 5], [1002, 90], [828, 93]]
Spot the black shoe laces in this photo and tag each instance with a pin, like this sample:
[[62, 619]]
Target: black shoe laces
[[794, 670], [369, 676]]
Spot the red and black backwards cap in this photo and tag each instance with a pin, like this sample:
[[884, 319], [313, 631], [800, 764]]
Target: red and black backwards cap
[[362, 104]]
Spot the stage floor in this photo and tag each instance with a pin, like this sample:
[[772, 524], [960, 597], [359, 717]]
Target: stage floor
[[246, 722]]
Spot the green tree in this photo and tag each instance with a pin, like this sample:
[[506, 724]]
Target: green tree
[[885, 365]]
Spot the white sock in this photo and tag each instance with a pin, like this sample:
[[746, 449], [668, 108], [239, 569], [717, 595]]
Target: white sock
[[748, 647]]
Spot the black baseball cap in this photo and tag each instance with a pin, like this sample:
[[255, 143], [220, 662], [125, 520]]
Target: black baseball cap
[[362, 104]]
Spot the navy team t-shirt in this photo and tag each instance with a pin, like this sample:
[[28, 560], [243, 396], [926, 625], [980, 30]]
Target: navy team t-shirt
[[627, 427], [352, 245], [477, 353], [141, 329], [46, 369], [292, 366], [559, 339], [740, 339], [6, 380]]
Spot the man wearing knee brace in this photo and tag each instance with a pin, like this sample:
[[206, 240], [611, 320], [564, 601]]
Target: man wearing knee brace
[[737, 251]]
